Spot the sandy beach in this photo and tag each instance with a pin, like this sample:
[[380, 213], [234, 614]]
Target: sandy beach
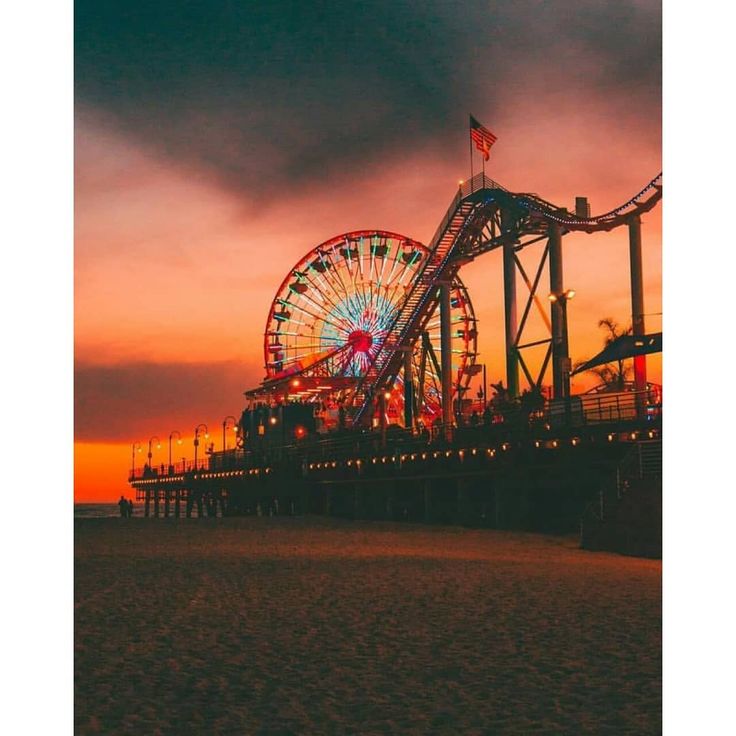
[[318, 626]]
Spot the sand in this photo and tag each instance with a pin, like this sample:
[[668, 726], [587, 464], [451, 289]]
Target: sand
[[317, 626]]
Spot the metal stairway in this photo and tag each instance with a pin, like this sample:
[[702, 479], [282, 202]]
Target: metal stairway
[[459, 223], [626, 516]]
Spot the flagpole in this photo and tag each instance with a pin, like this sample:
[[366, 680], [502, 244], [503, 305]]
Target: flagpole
[[470, 149]]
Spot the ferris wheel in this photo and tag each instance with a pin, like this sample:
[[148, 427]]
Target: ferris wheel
[[335, 308]]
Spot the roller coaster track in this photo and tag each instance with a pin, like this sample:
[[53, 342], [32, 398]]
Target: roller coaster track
[[459, 238], [637, 205]]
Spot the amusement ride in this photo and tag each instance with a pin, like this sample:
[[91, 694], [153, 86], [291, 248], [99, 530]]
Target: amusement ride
[[373, 328]]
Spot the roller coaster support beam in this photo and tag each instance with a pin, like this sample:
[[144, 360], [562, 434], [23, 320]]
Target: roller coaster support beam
[[637, 309], [422, 371], [408, 391], [510, 321], [446, 357], [560, 356]]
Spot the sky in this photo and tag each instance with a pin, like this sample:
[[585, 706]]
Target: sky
[[217, 142]]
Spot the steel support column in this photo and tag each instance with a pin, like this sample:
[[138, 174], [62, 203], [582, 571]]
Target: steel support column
[[510, 320], [637, 304], [446, 357], [408, 391], [560, 357]]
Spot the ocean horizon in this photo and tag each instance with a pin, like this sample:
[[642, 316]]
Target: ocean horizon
[[102, 510]]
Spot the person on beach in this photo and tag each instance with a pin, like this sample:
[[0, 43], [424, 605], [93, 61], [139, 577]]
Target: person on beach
[[123, 504], [130, 508]]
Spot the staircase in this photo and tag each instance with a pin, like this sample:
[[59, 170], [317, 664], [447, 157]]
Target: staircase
[[627, 515], [459, 224]]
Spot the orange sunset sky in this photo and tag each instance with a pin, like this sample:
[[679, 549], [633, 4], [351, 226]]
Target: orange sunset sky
[[214, 148]]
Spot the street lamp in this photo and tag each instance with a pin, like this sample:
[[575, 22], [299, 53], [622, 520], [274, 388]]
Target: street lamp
[[485, 388], [150, 453], [178, 442], [563, 299], [196, 440], [565, 296], [561, 338], [136, 446], [224, 429]]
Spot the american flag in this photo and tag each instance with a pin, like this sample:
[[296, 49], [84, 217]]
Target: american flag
[[482, 137]]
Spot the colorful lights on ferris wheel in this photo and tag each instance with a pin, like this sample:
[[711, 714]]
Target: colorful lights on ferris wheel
[[338, 305]]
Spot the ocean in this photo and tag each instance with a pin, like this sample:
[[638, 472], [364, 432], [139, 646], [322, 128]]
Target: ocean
[[102, 510]]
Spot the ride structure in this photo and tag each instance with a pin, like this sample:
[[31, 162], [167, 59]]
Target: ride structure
[[360, 320]]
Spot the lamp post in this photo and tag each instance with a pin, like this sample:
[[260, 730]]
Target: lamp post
[[150, 452], [560, 346], [150, 471], [224, 429], [196, 440], [384, 398], [177, 491], [136, 446], [178, 442], [485, 388]]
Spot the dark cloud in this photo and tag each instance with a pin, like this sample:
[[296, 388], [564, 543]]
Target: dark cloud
[[294, 91], [125, 402]]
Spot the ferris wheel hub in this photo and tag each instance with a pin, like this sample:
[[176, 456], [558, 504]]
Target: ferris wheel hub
[[361, 341]]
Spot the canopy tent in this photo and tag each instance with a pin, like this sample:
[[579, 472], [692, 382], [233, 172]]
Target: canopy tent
[[626, 346]]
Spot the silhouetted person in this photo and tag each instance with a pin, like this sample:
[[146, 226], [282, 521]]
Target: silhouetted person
[[487, 416], [123, 504], [474, 419], [130, 508]]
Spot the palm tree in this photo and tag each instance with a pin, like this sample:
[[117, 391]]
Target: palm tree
[[613, 375]]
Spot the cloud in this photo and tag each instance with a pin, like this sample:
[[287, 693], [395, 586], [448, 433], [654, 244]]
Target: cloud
[[132, 401], [260, 95]]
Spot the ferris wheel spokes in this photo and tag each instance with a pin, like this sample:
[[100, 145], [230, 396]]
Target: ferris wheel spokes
[[333, 313]]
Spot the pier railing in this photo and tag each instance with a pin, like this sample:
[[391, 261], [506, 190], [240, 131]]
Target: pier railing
[[179, 468], [625, 415]]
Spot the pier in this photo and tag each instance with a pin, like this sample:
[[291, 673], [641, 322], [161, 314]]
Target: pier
[[365, 411], [538, 474]]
